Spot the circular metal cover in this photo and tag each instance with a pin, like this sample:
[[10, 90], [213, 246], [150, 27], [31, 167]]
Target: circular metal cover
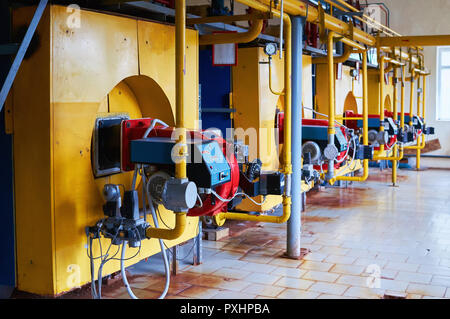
[[191, 194], [312, 148], [331, 152], [372, 136], [270, 48], [382, 137]]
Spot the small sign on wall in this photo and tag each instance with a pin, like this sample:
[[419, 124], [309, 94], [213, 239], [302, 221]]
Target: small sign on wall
[[224, 54], [339, 71], [358, 73]]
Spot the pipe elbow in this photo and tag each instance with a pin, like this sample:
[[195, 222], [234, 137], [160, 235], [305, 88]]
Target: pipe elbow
[[242, 37], [169, 234], [287, 201], [340, 59]]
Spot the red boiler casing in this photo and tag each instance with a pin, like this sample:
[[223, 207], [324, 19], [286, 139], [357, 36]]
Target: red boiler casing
[[135, 129], [279, 124]]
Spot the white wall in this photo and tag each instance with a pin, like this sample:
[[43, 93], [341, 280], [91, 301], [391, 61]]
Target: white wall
[[418, 17]]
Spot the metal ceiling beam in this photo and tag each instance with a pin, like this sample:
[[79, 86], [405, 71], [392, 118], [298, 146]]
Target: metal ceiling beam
[[21, 52]]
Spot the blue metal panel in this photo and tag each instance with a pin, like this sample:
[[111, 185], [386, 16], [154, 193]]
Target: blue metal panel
[[7, 249], [215, 82], [157, 150], [215, 161], [407, 119], [320, 133], [373, 123]]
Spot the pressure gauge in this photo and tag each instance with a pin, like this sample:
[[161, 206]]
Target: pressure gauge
[[270, 49]]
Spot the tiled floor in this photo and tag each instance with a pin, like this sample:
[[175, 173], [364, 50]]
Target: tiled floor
[[400, 234]]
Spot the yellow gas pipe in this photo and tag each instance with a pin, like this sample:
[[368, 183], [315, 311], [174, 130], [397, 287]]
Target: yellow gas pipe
[[299, 8], [381, 107], [421, 139], [402, 106], [365, 127], [393, 62], [287, 165], [394, 161], [232, 37], [411, 97], [270, 79], [180, 167], [421, 136], [331, 103], [348, 50]]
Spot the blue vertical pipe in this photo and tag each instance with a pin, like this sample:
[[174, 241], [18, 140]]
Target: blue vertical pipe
[[294, 223]]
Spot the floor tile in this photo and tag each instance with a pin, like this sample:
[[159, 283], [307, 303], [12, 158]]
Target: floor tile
[[199, 292], [426, 290], [328, 288], [219, 282], [320, 276], [345, 260], [441, 281], [298, 294], [233, 295], [288, 272], [393, 285], [414, 277], [351, 280], [263, 290], [402, 266], [259, 278], [316, 265], [231, 273], [364, 292], [285, 262], [315, 256], [294, 283], [347, 269]]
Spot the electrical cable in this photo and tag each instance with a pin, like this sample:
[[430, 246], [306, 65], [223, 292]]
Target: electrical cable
[[237, 194], [325, 115], [122, 271], [133, 183], [152, 126], [160, 217], [167, 226], [190, 250], [163, 251], [104, 261], [93, 287], [345, 156], [200, 200], [353, 159]]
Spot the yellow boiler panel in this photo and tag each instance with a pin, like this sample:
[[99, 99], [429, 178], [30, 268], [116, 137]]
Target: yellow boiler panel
[[374, 92], [348, 91], [252, 96], [106, 65]]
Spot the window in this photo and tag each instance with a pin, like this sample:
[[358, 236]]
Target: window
[[443, 84]]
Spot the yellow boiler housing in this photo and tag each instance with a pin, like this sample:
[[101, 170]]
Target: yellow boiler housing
[[256, 108], [108, 64], [348, 91], [374, 92]]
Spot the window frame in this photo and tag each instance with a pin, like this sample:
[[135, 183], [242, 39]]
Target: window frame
[[439, 68]]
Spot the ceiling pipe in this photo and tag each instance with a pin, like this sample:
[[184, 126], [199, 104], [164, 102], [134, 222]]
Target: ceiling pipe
[[232, 37]]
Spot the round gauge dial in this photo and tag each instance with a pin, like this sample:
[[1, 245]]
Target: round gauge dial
[[270, 49]]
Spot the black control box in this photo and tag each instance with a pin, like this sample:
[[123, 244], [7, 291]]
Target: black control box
[[364, 152]]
